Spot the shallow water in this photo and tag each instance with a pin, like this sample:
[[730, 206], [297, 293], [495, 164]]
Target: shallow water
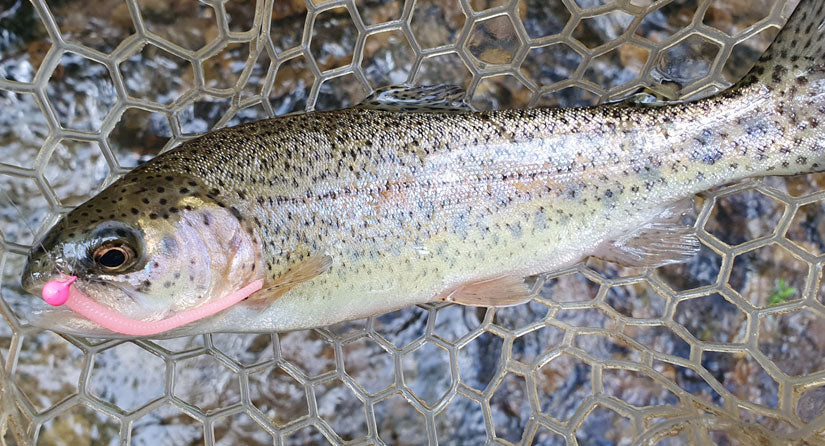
[[603, 354]]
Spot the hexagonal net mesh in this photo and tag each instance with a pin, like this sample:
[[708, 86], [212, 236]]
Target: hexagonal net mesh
[[726, 348]]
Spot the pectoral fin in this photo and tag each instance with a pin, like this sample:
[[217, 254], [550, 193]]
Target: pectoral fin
[[303, 271], [661, 241], [498, 291]]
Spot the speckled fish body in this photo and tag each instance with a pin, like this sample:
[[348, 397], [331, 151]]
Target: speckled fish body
[[410, 205]]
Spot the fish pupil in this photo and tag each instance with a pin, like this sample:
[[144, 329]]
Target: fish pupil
[[112, 258]]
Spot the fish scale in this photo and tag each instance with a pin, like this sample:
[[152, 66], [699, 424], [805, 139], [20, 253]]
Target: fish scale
[[415, 206]]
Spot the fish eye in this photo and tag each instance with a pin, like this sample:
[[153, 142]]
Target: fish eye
[[113, 258]]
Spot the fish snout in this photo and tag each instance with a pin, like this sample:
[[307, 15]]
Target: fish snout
[[37, 271]]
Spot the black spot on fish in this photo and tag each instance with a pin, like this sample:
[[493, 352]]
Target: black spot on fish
[[711, 156], [170, 246]]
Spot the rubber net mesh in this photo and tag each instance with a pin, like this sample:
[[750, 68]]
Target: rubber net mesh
[[726, 348]]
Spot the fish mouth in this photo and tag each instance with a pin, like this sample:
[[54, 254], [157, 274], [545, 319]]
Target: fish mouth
[[63, 319], [40, 314], [33, 282]]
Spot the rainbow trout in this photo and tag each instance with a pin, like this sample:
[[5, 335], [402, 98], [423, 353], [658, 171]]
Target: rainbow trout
[[410, 198]]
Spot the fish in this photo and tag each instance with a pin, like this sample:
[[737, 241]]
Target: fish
[[410, 198]]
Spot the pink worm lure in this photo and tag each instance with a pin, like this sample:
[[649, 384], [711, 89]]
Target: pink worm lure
[[59, 292]]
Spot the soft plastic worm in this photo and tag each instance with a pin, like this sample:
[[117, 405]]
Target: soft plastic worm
[[59, 292]]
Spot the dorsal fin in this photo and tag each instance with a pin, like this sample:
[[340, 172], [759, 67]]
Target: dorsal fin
[[796, 54], [436, 98]]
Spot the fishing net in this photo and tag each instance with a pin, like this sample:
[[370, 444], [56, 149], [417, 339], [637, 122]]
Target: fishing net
[[726, 348]]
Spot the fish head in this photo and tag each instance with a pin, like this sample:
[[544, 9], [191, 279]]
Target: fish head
[[147, 247]]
